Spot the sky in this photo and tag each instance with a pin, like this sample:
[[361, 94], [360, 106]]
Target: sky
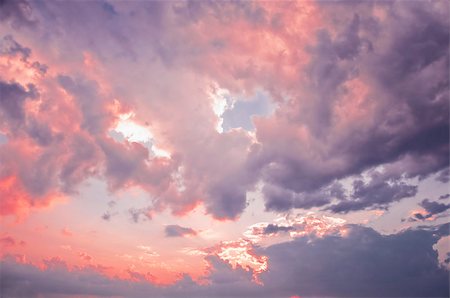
[[224, 149]]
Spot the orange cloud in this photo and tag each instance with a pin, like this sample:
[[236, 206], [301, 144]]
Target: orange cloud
[[17, 201]]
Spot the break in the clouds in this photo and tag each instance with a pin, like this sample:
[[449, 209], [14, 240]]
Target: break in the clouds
[[224, 121]]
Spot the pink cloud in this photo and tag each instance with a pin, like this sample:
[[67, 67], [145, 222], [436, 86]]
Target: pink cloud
[[66, 232]]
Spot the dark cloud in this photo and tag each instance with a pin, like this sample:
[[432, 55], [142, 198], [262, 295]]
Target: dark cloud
[[16, 12], [81, 150], [12, 101], [23, 280], [138, 214], [227, 202], [13, 97], [443, 197], [112, 204], [378, 193], [273, 229], [130, 164], [109, 213], [7, 241], [109, 7], [107, 216], [81, 162], [279, 199], [37, 173], [124, 162], [444, 176], [9, 47], [373, 92], [40, 132], [93, 106], [363, 263], [434, 207], [178, 231], [404, 116], [431, 208]]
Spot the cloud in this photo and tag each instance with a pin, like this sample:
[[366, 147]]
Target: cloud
[[431, 209], [294, 226], [178, 231], [359, 92], [107, 216], [402, 264], [85, 257], [137, 214], [346, 101], [378, 193], [12, 101], [93, 106], [7, 241], [361, 106], [17, 200], [443, 197], [273, 229], [17, 13], [434, 207], [148, 251], [324, 266], [55, 154]]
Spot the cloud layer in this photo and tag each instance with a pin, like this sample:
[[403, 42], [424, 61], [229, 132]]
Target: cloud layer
[[362, 263], [190, 112], [346, 101]]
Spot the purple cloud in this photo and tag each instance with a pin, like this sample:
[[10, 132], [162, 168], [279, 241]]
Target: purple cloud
[[178, 231]]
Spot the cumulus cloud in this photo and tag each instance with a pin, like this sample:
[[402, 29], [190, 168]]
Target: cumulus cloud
[[361, 106], [346, 101]]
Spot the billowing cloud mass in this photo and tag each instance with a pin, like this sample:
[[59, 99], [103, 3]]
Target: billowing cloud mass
[[261, 148]]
